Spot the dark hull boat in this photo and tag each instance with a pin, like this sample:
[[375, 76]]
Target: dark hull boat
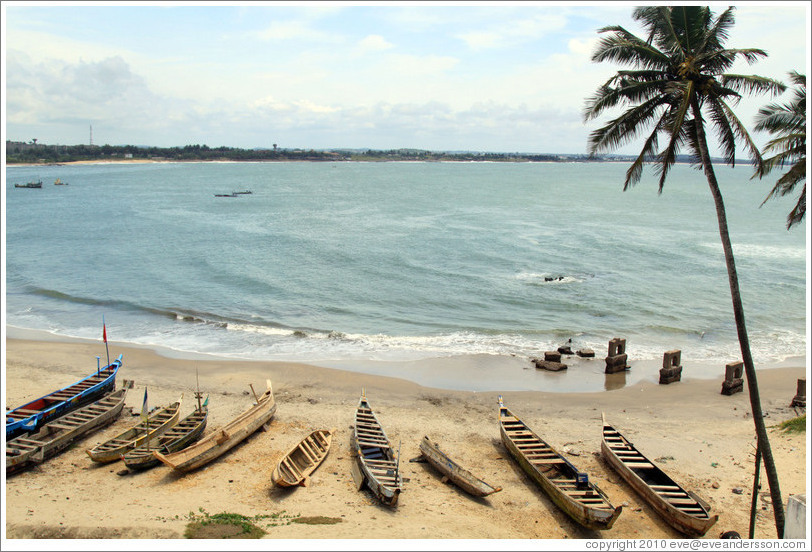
[[375, 455], [569, 488], [680, 508]]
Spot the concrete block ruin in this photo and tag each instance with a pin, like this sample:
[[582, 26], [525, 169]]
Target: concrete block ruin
[[616, 359], [671, 370], [733, 378], [800, 395]]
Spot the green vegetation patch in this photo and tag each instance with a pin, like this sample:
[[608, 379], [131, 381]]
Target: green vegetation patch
[[227, 525], [317, 520], [795, 425], [223, 526]]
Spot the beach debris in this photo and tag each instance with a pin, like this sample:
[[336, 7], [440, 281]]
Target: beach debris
[[738, 490], [730, 535], [715, 485], [733, 378], [800, 394], [671, 370], [585, 353], [567, 348], [616, 359], [549, 365]]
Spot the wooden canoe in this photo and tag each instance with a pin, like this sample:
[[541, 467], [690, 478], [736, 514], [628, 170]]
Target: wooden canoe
[[157, 423], [375, 455], [223, 439], [569, 488], [680, 508], [31, 416], [54, 437], [176, 438], [455, 473], [299, 462]]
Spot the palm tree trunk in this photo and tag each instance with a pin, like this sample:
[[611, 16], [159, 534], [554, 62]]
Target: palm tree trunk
[[741, 329]]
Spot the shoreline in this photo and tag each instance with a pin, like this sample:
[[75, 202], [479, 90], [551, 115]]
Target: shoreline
[[701, 438], [463, 372]]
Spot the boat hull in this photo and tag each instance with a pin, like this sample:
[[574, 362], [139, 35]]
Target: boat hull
[[33, 415], [113, 449], [223, 439], [301, 461], [691, 525], [177, 438], [591, 508], [461, 477], [56, 436], [375, 456]]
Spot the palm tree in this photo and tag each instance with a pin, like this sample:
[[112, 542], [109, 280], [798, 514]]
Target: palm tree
[[788, 123], [676, 80]]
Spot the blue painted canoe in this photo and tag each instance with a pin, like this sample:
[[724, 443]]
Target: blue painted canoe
[[33, 415]]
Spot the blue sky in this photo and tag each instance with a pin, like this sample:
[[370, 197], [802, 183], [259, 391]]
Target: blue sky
[[470, 76]]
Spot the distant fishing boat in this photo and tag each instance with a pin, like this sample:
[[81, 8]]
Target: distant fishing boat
[[37, 184], [58, 182], [226, 195], [243, 193]]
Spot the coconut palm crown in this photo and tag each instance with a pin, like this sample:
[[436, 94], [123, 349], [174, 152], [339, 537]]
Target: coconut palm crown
[[681, 63], [677, 79], [788, 123]]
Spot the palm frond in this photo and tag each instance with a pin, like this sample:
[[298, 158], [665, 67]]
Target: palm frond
[[750, 84], [741, 133], [727, 138], [624, 128]]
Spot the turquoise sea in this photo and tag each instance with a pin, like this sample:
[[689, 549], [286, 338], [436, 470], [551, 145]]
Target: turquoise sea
[[352, 263]]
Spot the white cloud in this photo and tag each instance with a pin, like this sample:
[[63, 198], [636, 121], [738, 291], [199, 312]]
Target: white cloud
[[280, 31], [373, 43]]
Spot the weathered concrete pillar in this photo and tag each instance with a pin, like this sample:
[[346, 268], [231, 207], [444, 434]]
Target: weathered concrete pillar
[[733, 378], [671, 370], [616, 359], [800, 395]]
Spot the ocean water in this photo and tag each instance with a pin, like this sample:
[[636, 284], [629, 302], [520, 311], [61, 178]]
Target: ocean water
[[357, 262]]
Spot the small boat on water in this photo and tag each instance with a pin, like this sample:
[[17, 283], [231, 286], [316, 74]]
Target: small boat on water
[[160, 420], [176, 438], [223, 439], [37, 184], [375, 457], [243, 193], [299, 462], [31, 416], [54, 437], [568, 487], [455, 473], [225, 195], [683, 510], [58, 182]]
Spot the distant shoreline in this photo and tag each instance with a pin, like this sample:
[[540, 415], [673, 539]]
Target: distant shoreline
[[259, 161]]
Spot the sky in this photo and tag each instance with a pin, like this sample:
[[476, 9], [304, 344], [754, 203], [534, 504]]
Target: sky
[[497, 77]]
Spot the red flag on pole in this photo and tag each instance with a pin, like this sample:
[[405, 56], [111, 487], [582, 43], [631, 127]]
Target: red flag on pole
[[104, 333]]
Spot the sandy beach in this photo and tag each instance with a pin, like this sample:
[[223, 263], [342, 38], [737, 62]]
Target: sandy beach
[[705, 440]]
